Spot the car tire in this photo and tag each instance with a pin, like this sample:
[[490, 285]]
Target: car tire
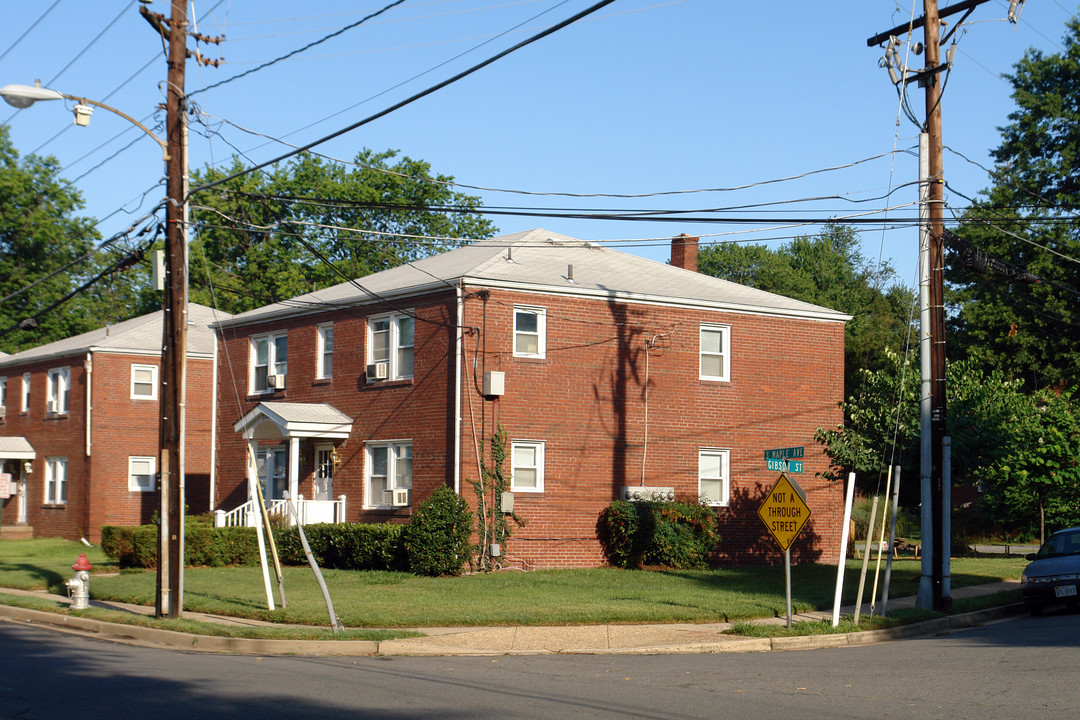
[[1035, 609]]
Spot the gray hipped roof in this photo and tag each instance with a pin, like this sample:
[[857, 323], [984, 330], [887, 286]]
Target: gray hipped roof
[[138, 335], [542, 261]]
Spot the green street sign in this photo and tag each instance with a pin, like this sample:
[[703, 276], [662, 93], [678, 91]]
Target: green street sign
[[784, 453], [780, 465]]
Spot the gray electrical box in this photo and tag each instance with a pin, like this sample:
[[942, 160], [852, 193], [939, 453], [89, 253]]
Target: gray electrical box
[[494, 383], [506, 502]]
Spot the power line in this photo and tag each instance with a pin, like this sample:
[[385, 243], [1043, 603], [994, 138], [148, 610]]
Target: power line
[[424, 93], [299, 50]]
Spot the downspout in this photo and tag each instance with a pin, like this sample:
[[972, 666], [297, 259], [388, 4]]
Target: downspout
[[213, 427], [459, 341], [88, 366]]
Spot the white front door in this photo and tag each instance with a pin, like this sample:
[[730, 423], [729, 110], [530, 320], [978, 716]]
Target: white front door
[[21, 498], [324, 472], [273, 468]]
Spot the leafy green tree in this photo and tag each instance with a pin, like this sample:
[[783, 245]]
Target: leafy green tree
[[882, 423], [310, 223], [1037, 481], [1014, 268], [41, 240], [827, 270]]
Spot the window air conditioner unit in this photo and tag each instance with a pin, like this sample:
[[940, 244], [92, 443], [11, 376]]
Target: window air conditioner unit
[[277, 382], [378, 371], [50, 406], [401, 497], [3, 411]]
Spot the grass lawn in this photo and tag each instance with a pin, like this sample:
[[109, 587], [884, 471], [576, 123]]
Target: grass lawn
[[548, 597]]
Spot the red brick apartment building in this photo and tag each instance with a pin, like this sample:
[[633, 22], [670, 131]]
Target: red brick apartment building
[[79, 428], [609, 373]]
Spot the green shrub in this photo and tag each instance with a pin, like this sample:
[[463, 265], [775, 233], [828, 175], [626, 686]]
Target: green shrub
[[117, 544], [437, 538], [647, 532], [137, 547], [346, 546]]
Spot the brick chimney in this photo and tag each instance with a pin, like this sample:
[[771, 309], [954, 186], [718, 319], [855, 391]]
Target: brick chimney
[[684, 249]]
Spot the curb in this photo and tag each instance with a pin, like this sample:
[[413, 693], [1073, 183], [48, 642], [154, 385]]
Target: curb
[[154, 637]]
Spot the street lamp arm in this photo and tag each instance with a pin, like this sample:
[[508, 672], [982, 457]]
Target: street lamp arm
[[121, 113], [23, 96]]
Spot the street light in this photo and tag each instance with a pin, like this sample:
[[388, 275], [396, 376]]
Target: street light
[[23, 96], [174, 319]]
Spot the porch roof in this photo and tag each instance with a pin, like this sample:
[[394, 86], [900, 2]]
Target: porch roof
[[16, 448], [274, 420]]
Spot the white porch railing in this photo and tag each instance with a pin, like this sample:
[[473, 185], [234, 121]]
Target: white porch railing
[[309, 511]]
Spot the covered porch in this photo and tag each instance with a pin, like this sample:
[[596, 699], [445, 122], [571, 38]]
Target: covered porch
[[279, 435], [16, 463]]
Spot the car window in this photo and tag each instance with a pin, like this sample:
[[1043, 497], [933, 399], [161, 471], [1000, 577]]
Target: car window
[[1061, 544]]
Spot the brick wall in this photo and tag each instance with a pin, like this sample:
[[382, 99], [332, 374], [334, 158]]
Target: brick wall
[[415, 409], [121, 427], [585, 400]]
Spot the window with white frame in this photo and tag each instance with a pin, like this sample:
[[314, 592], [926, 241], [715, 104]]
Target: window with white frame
[[58, 390], [713, 480], [144, 382], [268, 353], [25, 405], [530, 332], [324, 347], [715, 352], [390, 341], [527, 466], [389, 468], [55, 480], [141, 473]]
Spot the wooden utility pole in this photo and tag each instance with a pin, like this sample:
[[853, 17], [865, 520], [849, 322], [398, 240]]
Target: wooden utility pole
[[930, 78], [936, 200], [174, 332]]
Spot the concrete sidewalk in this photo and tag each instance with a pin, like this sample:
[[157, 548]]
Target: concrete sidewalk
[[502, 640]]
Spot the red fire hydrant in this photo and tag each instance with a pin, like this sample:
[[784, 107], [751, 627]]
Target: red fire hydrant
[[79, 586]]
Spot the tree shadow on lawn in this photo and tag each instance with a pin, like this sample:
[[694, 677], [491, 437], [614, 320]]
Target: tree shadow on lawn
[[50, 578]]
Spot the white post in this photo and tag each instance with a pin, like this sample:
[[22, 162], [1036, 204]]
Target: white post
[[866, 559], [892, 544], [253, 478], [843, 550], [877, 566]]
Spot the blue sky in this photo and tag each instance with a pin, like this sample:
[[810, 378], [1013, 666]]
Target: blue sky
[[642, 97]]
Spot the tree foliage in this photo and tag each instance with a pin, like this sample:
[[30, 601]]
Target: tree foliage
[[41, 235], [827, 270], [882, 423], [310, 223], [1013, 270], [1036, 484]]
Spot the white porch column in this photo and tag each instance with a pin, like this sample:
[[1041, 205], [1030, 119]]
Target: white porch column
[[253, 478], [294, 467]]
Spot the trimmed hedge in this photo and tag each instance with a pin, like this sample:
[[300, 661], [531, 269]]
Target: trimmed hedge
[[647, 532], [346, 546], [136, 547]]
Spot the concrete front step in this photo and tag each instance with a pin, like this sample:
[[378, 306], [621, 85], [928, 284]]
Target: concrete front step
[[16, 532]]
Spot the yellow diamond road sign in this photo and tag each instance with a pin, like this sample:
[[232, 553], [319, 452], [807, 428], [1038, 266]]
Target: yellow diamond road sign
[[784, 511]]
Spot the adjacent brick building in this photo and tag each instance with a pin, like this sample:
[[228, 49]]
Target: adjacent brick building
[[608, 372], [78, 428]]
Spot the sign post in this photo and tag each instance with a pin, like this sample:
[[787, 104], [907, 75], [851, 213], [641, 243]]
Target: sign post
[[784, 512]]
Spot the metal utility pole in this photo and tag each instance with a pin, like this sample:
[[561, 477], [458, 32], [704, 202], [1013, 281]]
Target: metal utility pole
[[932, 280], [936, 248], [169, 600]]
